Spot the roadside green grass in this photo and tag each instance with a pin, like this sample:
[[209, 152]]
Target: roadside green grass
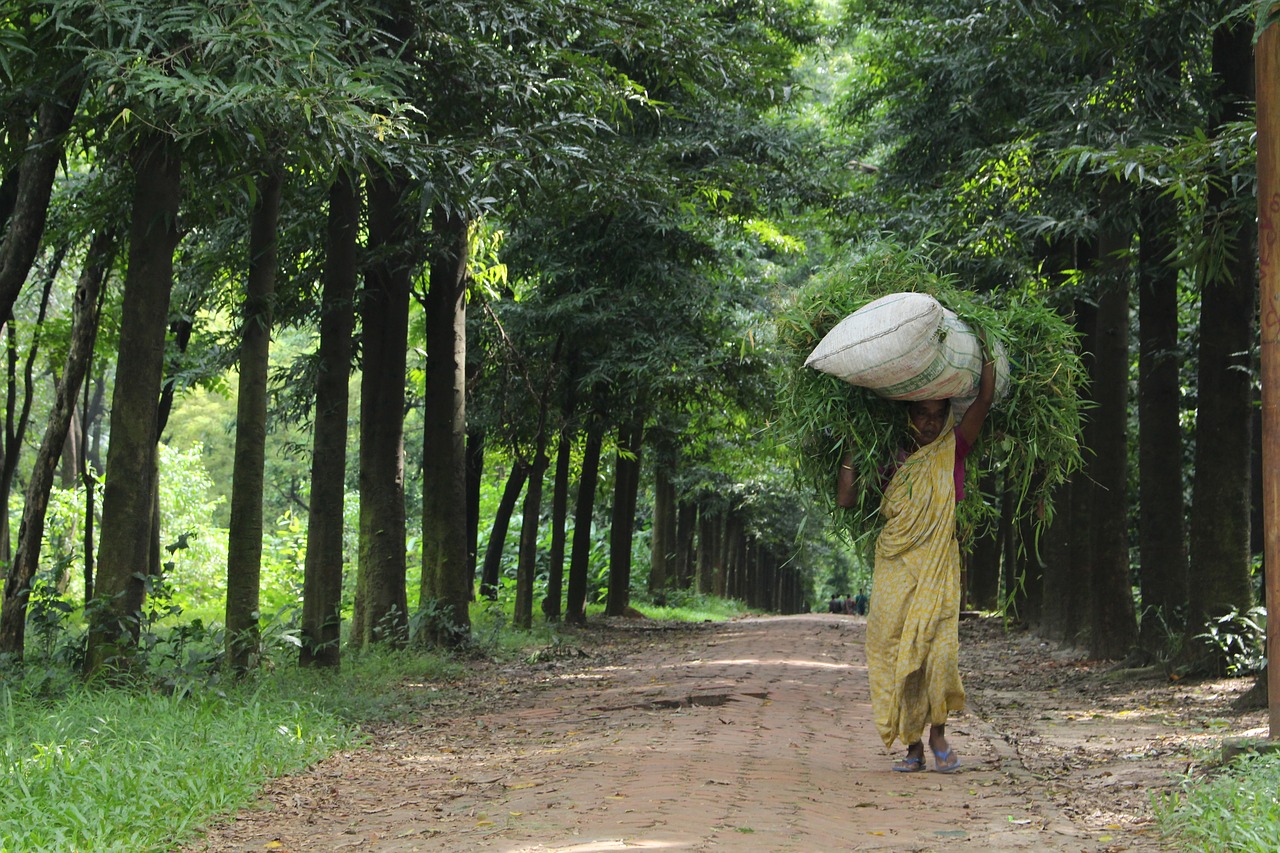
[[113, 769], [1237, 809], [693, 607], [90, 768]]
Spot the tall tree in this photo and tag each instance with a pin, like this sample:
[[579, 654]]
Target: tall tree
[[552, 603], [24, 226], [626, 487], [322, 579], [1219, 526], [491, 572], [475, 472], [515, 91], [530, 525], [1162, 544], [1113, 628], [664, 529], [20, 393], [575, 612], [1268, 73], [381, 613], [17, 587], [446, 576], [244, 537], [126, 505], [1168, 47]]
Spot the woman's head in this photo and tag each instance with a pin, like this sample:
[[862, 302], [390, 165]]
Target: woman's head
[[928, 419]]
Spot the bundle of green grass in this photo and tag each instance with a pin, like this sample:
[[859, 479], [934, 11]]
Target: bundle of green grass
[[1031, 436]]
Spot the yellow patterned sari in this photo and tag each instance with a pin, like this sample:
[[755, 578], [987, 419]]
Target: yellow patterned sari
[[913, 639]]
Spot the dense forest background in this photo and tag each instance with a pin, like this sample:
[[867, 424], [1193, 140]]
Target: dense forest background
[[325, 319]]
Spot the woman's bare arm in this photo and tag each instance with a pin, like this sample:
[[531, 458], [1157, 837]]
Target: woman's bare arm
[[971, 424], [845, 495]]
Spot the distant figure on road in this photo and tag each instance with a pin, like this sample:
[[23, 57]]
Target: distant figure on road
[[913, 636], [860, 602], [835, 605]]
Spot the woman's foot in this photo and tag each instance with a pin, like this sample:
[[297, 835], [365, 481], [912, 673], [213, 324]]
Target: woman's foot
[[914, 762], [946, 762], [945, 759]]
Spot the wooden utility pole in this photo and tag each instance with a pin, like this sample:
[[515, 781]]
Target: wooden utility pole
[[1267, 71]]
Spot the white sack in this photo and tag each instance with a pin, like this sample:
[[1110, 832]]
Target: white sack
[[906, 346]]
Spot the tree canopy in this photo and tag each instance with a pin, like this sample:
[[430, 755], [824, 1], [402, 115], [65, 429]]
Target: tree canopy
[[513, 232]]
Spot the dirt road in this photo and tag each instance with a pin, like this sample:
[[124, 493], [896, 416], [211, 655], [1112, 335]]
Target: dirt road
[[752, 736]]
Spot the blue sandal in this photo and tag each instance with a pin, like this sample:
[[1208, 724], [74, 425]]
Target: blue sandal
[[946, 762], [910, 764]]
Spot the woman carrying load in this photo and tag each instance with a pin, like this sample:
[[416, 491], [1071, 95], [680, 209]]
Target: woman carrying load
[[913, 640]]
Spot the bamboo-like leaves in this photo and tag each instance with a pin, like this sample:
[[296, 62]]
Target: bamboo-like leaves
[[1032, 435]]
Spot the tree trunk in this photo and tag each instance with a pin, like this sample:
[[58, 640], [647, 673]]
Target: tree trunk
[[446, 577], [735, 546], [1031, 566], [794, 600], [1007, 541], [381, 598], [686, 531], [1063, 550], [18, 402], [626, 488], [491, 575], [1267, 69], [72, 452], [84, 328], [126, 505], [1257, 476], [25, 226], [94, 415], [322, 578], [663, 538], [1162, 549], [984, 561], [1057, 623], [1114, 629], [18, 135], [1069, 572], [180, 329], [244, 535], [1219, 528], [90, 408], [527, 562], [704, 556], [575, 612], [763, 573], [475, 471], [720, 553], [559, 517]]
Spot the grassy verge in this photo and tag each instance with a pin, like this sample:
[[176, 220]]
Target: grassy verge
[[693, 607], [1237, 809], [122, 770], [107, 769]]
